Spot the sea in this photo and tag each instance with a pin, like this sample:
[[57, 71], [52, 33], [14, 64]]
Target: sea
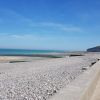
[[26, 52]]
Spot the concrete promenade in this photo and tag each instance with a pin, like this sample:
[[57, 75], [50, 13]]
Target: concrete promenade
[[85, 87], [96, 95]]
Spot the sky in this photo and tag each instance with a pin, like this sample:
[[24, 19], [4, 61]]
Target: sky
[[49, 24]]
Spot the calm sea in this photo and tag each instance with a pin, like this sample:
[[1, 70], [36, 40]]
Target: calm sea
[[25, 52]]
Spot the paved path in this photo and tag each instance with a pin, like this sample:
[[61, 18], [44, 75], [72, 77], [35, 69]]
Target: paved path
[[96, 95]]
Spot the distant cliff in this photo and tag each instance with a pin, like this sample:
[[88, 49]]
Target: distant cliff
[[94, 49]]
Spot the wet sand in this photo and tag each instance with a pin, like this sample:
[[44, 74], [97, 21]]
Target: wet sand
[[7, 59]]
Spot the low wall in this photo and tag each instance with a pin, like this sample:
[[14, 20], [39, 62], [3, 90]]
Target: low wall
[[82, 87]]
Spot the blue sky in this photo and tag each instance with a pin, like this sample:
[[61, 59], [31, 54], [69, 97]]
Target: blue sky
[[49, 24]]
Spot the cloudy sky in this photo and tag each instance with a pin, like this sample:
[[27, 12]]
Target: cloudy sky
[[49, 24]]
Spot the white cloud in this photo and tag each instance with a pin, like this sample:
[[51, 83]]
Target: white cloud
[[71, 29], [16, 16], [17, 36], [25, 37], [62, 27], [43, 25]]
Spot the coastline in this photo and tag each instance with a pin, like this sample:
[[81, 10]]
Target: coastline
[[16, 59], [41, 79], [34, 57]]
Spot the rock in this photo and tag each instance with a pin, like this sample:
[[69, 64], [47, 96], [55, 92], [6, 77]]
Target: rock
[[84, 68], [94, 49]]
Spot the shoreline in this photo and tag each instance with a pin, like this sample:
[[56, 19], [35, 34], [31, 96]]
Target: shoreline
[[33, 57], [53, 54], [43, 78]]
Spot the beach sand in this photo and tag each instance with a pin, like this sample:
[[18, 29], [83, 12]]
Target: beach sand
[[41, 79], [7, 59]]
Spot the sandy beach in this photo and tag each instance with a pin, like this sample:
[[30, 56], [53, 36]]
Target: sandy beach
[[8, 59], [41, 79]]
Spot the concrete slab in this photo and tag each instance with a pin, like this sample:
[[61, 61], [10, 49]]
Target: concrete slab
[[83, 87], [96, 94]]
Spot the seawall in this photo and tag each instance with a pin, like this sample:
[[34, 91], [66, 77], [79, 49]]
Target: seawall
[[83, 87]]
